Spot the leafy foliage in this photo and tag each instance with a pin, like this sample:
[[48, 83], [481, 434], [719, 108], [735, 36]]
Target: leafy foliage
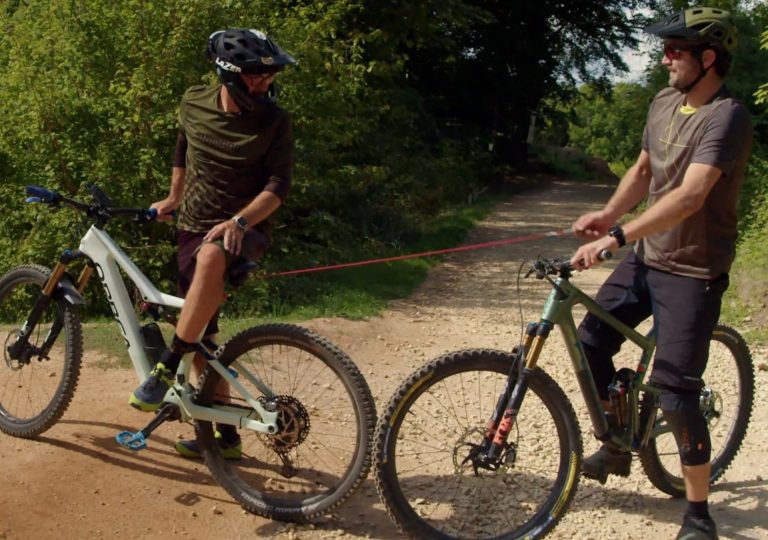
[[93, 98]]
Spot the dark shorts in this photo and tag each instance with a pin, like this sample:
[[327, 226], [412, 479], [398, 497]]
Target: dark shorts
[[685, 311], [255, 244]]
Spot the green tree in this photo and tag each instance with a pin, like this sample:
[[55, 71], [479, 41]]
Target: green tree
[[490, 64], [611, 126], [93, 98]]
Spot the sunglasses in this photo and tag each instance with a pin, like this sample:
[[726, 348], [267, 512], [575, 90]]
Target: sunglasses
[[674, 52], [259, 76]]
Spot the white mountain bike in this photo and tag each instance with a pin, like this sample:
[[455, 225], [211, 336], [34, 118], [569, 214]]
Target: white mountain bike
[[305, 413]]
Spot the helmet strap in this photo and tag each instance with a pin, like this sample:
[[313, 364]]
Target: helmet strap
[[240, 94], [702, 73], [237, 89]]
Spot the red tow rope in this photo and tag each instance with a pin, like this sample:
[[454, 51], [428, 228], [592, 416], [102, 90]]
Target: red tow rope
[[472, 247]]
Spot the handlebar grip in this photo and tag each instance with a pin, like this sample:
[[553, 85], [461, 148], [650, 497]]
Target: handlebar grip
[[605, 255], [38, 194]]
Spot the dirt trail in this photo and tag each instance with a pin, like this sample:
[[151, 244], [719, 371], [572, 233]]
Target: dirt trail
[[74, 482]]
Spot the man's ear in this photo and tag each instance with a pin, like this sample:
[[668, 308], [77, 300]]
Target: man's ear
[[708, 57]]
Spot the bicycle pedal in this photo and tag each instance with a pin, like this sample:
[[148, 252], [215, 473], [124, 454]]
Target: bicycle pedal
[[132, 441]]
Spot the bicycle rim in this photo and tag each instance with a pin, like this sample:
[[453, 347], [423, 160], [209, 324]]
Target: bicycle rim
[[35, 393], [326, 421], [727, 404], [428, 429]]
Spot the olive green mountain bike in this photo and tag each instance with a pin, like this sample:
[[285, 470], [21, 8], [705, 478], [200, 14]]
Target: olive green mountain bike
[[484, 444]]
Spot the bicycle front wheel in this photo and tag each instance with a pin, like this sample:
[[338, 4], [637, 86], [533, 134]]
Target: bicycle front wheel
[[437, 418], [726, 401], [326, 418], [36, 387]]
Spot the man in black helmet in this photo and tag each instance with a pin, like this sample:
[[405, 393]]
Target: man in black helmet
[[695, 149], [232, 170]]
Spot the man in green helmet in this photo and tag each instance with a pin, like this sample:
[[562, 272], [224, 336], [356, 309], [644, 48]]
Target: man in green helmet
[[695, 148]]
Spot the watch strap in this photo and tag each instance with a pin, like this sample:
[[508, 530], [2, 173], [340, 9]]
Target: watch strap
[[618, 233]]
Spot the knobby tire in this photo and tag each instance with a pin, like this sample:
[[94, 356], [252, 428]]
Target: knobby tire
[[326, 427], [729, 357], [430, 425], [35, 395]]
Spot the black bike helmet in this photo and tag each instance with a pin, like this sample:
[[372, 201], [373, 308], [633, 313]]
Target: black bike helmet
[[243, 50], [698, 26]]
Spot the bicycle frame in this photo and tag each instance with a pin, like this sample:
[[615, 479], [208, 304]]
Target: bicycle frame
[[108, 259], [557, 311]]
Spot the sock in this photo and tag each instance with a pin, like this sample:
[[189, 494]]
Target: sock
[[172, 357], [699, 509], [228, 433]]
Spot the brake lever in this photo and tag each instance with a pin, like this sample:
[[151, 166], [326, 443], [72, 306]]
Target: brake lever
[[101, 198]]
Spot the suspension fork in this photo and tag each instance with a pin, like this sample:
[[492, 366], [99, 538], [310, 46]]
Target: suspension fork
[[19, 350], [511, 400]]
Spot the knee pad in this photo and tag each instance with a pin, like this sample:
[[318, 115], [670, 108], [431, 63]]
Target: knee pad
[[688, 425]]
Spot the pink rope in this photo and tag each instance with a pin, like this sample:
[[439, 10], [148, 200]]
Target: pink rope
[[495, 243]]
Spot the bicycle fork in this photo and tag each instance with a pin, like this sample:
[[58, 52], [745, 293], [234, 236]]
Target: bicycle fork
[[495, 448], [57, 283]]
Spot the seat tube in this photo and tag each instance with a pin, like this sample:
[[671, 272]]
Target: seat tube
[[584, 377]]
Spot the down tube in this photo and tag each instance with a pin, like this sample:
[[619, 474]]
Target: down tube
[[584, 376], [119, 300]]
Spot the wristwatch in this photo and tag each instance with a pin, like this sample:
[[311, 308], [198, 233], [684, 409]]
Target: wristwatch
[[241, 222], [618, 233]]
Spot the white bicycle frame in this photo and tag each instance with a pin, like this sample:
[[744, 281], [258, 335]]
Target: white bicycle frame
[[109, 259]]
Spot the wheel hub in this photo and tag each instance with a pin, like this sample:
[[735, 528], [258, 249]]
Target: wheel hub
[[711, 405], [13, 363], [468, 453], [292, 425]]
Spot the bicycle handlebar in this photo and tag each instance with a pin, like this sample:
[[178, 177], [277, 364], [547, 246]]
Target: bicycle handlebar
[[101, 209], [544, 267]]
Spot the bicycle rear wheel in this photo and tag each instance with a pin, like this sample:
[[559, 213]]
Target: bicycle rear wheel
[[726, 400], [428, 430], [35, 390], [326, 419]]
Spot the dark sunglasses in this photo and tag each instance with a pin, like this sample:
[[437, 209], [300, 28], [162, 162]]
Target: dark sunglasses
[[260, 76], [674, 52]]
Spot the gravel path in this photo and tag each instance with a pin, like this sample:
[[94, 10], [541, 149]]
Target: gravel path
[[74, 482]]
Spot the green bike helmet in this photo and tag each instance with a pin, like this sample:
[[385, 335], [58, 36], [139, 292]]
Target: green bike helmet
[[698, 26]]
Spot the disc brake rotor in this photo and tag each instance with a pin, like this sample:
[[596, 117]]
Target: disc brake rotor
[[292, 425]]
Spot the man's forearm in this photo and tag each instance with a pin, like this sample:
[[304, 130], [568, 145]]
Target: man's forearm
[[260, 208], [673, 208], [178, 177]]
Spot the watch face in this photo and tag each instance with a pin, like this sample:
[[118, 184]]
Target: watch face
[[241, 222]]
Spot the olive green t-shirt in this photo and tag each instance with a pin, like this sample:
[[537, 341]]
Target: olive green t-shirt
[[719, 134], [230, 157]]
